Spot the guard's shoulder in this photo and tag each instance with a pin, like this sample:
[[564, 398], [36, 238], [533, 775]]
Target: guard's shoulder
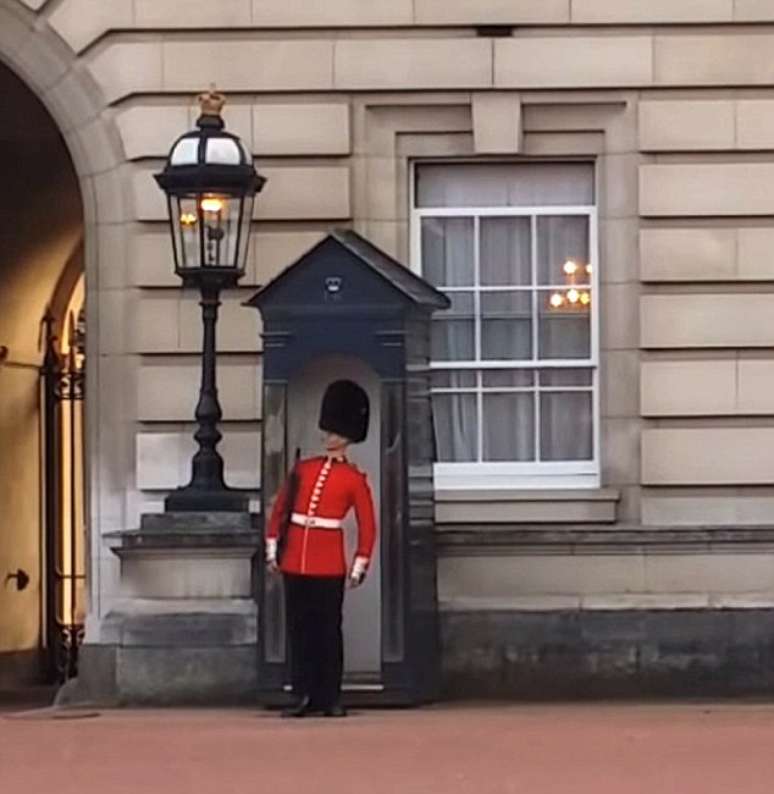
[[304, 462], [355, 471]]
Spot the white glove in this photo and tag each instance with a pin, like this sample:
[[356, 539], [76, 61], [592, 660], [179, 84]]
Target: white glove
[[271, 554], [358, 572]]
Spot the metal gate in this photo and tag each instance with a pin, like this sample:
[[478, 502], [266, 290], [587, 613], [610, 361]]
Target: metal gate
[[62, 413]]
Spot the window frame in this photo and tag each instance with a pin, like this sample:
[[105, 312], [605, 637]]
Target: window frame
[[517, 474]]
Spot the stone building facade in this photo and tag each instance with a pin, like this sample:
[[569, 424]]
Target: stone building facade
[[638, 557]]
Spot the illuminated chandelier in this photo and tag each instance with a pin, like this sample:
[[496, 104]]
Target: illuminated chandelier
[[576, 296]]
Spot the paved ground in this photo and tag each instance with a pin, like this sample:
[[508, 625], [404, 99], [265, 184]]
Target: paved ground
[[513, 749]]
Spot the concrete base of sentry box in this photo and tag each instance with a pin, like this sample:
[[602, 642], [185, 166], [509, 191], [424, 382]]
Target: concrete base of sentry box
[[355, 694], [574, 654]]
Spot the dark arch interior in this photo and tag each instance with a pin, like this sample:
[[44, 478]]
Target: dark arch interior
[[41, 261]]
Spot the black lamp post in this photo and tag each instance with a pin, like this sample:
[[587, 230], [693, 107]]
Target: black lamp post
[[210, 182]]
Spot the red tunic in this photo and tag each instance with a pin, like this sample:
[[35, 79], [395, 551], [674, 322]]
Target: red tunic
[[327, 489]]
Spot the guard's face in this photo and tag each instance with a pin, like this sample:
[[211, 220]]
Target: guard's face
[[334, 442]]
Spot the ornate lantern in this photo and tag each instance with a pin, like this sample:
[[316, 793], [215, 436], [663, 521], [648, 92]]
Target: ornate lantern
[[210, 182]]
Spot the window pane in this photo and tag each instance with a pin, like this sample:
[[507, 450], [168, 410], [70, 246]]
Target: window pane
[[565, 377], [509, 378], [509, 427], [453, 331], [456, 427], [506, 325], [566, 426], [563, 250], [447, 251], [563, 332], [454, 379], [506, 252], [505, 185]]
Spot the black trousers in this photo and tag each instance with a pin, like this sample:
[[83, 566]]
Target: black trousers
[[313, 609]]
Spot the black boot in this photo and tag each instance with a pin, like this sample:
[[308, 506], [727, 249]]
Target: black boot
[[301, 709], [336, 710]]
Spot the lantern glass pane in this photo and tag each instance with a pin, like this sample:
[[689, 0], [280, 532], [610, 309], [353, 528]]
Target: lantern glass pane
[[223, 151], [173, 211], [185, 227], [186, 152], [244, 231], [219, 215]]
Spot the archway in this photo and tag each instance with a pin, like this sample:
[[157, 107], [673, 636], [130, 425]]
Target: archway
[[49, 69], [41, 239]]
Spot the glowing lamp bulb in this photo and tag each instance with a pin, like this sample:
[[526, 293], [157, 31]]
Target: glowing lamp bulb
[[212, 205], [585, 298], [188, 219], [573, 295], [556, 300], [588, 269], [570, 268]]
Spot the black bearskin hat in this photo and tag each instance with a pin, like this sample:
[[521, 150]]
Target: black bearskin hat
[[345, 411]]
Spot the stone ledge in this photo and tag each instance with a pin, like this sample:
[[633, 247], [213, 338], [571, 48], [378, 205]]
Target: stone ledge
[[520, 506], [189, 531], [608, 602], [158, 607], [593, 539], [197, 522], [138, 541], [527, 495]]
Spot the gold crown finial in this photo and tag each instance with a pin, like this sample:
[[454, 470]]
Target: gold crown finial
[[211, 102]]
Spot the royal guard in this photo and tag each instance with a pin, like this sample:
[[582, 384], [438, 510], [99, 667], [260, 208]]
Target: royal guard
[[305, 541]]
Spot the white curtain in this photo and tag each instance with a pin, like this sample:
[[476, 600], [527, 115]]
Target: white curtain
[[456, 427], [447, 251], [507, 419], [448, 260], [509, 426], [505, 185], [566, 418], [566, 426]]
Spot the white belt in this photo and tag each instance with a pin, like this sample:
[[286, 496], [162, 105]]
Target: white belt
[[315, 522]]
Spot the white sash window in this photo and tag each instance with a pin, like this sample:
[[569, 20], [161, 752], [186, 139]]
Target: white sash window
[[515, 359]]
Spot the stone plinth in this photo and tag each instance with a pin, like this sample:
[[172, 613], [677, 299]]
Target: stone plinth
[[185, 627]]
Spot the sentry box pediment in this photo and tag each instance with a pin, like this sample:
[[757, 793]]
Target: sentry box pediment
[[344, 273]]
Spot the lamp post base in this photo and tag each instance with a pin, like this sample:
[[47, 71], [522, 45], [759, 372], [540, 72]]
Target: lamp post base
[[191, 499]]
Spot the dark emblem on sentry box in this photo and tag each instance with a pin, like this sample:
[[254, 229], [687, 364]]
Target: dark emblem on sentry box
[[333, 286]]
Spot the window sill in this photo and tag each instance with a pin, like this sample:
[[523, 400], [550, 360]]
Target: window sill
[[516, 476], [522, 506]]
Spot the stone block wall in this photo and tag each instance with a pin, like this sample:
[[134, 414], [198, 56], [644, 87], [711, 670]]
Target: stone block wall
[[671, 99]]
